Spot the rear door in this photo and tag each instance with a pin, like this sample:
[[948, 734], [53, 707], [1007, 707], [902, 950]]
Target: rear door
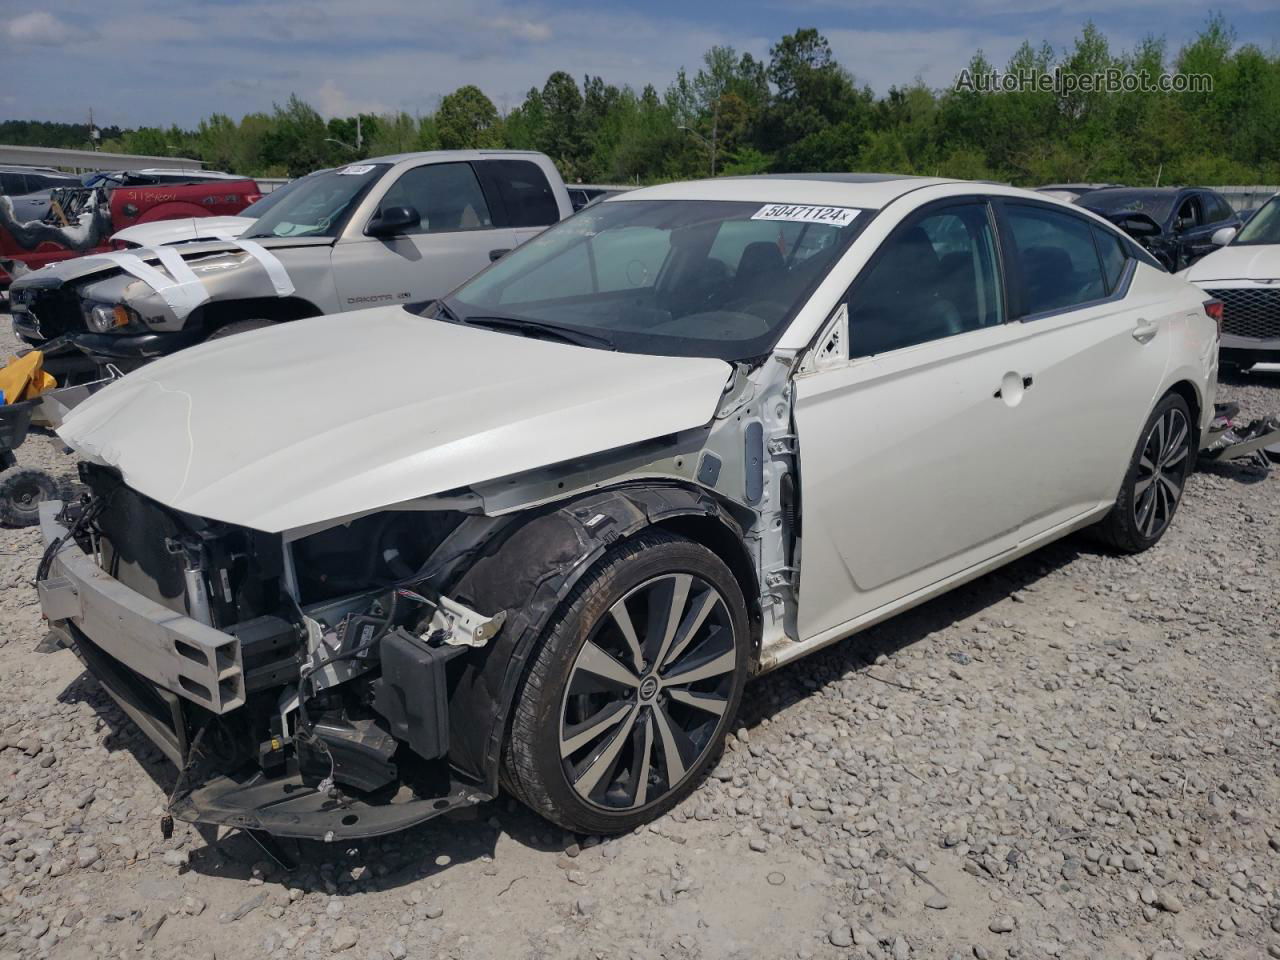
[[1093, 346], [453, 241]]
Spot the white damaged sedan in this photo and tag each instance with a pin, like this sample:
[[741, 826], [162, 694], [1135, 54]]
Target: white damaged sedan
[[542, 532]]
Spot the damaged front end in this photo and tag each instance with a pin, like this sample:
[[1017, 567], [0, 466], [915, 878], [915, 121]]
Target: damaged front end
[[300, 687]]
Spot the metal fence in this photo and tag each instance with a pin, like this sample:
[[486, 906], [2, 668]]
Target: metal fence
[[91, 159], [1247, 198]]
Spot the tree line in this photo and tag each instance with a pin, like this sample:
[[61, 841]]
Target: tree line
[[799, 110]]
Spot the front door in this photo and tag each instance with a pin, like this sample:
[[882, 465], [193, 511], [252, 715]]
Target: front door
[[907, 472], [452, 242]]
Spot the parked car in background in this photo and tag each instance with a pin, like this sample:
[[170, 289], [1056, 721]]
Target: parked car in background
[[202, 228], [28, 188], [1070, 192], [82, 216], [1245, 275], [542, 530], [389, 230], [1176, 224], [581, 194]]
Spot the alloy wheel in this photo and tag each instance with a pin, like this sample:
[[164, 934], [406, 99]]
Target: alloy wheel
[[1162, 473], [647, 692]]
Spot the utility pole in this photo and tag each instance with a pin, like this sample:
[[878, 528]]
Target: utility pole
[[94, 135], [359, 134]]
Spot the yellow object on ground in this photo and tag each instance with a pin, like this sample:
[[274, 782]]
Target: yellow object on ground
[[23, 378]]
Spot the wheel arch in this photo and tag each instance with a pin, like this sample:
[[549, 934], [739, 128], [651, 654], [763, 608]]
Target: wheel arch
[[220, 313], [530, 572], [1189, 392]]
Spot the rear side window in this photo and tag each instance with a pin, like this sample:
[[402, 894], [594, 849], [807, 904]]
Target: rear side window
[[447, 197], [1219, 209], [12, 184], [523, 190], [935, 277], [1056, 259], [1114, 254]]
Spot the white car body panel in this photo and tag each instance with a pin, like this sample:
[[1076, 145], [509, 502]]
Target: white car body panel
[[1238, 262], [163, 232], [369, 414]]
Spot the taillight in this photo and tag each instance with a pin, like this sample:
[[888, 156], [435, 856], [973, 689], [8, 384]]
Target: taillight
[[1213, 309]]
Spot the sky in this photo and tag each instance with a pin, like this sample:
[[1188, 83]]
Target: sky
[[158, 62]]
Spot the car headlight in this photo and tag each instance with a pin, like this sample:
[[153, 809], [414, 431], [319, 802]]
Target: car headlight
[[111, 318]]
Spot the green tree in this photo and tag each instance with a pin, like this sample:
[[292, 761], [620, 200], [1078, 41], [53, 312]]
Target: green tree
[[468, 120]]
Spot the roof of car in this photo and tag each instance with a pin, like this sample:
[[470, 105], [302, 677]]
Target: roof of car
[[866, 190], [445, 155]]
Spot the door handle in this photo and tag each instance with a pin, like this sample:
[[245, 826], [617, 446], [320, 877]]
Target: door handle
[[1012, 388], [1145, 331], [498, 254]]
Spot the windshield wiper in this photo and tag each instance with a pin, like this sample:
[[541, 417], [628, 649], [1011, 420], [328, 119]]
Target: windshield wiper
[[542, 328]]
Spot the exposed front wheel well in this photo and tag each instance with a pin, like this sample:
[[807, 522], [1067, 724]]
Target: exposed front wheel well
[[275, 309], [728, 546]]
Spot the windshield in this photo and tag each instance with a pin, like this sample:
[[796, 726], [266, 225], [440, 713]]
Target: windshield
[[1263, 226], [269, 200], [1155, 204], [319, 204], [674, 277]]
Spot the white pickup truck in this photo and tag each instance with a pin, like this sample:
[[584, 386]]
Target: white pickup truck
[[397, 229]]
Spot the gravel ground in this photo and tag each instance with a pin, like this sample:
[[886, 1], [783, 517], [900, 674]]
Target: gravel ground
[[1073, 757]]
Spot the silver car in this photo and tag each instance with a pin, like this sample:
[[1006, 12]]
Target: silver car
[[397, 229]]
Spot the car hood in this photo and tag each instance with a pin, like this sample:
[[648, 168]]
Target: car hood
[[176, 231], [1238, 262], [329, 417], [75, 269]]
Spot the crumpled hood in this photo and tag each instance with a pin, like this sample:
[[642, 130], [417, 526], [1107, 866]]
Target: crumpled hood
[[323, 418], [186, 228], [1247, 262]]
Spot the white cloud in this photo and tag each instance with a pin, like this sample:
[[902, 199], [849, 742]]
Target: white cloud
[[523, 29], [37, 27], [332, 101]]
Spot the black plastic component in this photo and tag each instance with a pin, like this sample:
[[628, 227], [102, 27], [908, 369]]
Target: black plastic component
[[709, 470], [754, 461], [360, 751], [271, 755], [267, 651], [412, 693]]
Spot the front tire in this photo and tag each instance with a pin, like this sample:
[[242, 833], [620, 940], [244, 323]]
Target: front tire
[[627, 700], [1155, 480]]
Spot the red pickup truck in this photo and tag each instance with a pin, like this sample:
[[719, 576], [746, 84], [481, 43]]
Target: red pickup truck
[[81, 219]]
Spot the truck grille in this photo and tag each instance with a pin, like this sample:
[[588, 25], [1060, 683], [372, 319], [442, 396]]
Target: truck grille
[[1250, 311]]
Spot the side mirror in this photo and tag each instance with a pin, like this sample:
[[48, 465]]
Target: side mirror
[[392, 221], [1223, 236]]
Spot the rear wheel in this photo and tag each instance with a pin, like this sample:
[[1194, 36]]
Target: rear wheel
[[627, 700], [1155, 480]]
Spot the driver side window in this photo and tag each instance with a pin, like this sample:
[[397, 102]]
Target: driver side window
[[1188, 214], [935, 277], [447, 197]]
